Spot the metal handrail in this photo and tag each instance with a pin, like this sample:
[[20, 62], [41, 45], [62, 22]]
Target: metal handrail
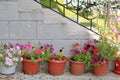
[[77, 8]]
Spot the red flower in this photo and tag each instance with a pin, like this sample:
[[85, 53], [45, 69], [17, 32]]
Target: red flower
[[38, 51], [95, 50], [84, 51], [77, 44]]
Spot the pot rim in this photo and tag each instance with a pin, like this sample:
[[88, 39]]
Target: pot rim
[[75, 61], [58, 61]]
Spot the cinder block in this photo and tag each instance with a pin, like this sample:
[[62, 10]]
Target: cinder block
[[77, 32], [33, 15], [9, 11], [51, 31], [4, 30], [22, 30]]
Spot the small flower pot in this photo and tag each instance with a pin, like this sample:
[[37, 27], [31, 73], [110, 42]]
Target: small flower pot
[[100, 70], [117, 66], [29, 67], [56, 67], [7, 70], [76, 68]]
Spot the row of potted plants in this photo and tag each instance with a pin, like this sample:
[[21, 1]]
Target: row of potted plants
[[97, 54]]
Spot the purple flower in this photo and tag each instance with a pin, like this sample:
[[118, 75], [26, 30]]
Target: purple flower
[[11, 46], [91, 52], [101, 60], [5, 46], [76, 51], [94, 60], [90, 41]]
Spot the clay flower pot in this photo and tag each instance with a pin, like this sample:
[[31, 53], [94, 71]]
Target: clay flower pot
[[29, 67], [117, 66], [100, 70], [76, 68], [56, 67]]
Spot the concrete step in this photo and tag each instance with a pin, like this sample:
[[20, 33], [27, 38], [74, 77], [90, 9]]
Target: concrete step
[[50, 16], [20, 10]]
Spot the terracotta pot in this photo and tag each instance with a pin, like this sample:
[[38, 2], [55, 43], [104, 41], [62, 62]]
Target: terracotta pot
[[100, 70], [117, 66], [29, 67], [76, 68], [56, 67]]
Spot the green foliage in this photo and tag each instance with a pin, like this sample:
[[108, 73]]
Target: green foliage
[[106, 48]]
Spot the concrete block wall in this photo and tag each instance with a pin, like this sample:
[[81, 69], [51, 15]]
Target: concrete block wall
[[26, 20]]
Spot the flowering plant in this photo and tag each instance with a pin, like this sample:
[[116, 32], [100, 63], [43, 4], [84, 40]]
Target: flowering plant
[[10, 54], [106, 48], [95, 59], [34, 53], [50, 52], [79, 54], [101, 51]]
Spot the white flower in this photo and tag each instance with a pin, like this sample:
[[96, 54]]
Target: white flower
[[19, 52], [8, 61], [10, 55], [18, 47], [15, 59], [11, 49]]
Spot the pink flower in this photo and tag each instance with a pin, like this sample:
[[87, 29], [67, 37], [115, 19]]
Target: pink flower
[[28, 46], [77, 44], [21, 58], [84, 51], [38, 51], [54, 55], [1, 55], [40, 59]]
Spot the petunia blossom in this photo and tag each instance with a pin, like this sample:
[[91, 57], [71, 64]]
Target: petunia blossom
[[77, 44], [95, 60], [38, 51]]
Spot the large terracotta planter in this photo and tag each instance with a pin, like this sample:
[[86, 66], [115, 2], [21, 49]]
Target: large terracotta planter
[[76, 68], [117, 66], [29, 67], [56, 67], [100, 70]]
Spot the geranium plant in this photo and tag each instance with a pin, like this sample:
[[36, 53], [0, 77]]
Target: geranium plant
[[10, 54], [33, 53]]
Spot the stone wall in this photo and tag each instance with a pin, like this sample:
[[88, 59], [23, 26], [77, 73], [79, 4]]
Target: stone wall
[[26, 20]]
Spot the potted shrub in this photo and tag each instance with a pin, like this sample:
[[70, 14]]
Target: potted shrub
[[56, 61], [32, 57], [10, 56], [78, 60]]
